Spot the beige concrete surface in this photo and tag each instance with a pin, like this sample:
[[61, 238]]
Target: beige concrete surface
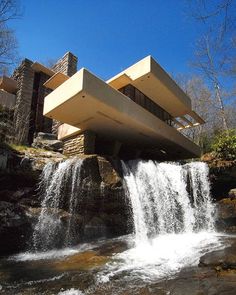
[[86, 102]]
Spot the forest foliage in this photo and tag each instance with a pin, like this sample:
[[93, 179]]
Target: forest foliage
[[211, 82], [224, 145]]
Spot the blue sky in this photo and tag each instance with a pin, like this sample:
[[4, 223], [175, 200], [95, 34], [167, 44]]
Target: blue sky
[[108, 36]]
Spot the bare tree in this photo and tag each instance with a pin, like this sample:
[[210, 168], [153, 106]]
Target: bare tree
[[212, 65], [203, 10], [215, 48], [203, 103], [50, 62], [9, 10]]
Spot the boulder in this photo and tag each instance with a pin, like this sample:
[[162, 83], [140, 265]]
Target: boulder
[[220, 259], [222, 178], [227, 208], [48, 142], [15, 228], [109, 172], [95, 228], [46, 136], [226, 215], [232, 193], [10, 215], [104, 205]]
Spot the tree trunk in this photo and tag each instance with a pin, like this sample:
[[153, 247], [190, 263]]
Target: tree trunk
[[221, 105]]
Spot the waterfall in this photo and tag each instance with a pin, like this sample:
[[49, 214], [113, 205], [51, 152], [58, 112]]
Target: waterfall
[[168, 198], [165, 198], [59, 189]]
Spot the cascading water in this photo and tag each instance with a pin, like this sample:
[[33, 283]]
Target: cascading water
[[59, 188], [173, 219], [161, 202]]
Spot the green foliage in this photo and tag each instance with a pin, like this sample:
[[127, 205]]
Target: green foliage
[[25, 148], [19, 148], [224, 145]]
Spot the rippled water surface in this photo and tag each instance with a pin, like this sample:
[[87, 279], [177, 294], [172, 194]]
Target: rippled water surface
[[112, 266]]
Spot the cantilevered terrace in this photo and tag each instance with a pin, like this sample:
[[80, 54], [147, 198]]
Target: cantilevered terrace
[[138, 112]]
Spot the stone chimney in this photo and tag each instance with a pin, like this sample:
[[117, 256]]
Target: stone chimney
[[66, 65]]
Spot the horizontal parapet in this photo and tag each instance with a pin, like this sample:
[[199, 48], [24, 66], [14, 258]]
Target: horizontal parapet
[[88, 103], [151, 79]]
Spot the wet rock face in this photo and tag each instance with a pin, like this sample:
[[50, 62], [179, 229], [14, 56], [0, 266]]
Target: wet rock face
[[102, 206], [18, 193], [232, 193], [220, 259], [226, 217], [223, 179], [15, 227]]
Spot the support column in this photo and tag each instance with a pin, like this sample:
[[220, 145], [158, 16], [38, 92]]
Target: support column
[[80, 144], [24, 75]]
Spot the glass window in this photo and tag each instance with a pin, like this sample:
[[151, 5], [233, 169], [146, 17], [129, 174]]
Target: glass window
[[144, 101]]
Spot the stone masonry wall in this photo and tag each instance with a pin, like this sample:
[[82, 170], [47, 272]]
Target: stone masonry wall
[[24, 75], [80, 144], [74, 145], [66, 65], [38, 122]]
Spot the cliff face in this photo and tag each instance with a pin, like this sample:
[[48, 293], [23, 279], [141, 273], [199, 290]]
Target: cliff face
[[222, 175], [223, 184], [19, 175], [103, 211], [105, 207]]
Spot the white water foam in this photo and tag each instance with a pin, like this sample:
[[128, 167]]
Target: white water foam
[[51, 254], [161, 201], [162, 256], [71, 291], [173, 219]]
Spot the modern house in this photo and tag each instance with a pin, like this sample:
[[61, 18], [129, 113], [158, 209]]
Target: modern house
[[138, 113], [23, 96]]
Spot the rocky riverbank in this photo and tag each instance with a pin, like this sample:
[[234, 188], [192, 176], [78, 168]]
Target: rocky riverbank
[[19, 175], [223, 188], [103, 213]]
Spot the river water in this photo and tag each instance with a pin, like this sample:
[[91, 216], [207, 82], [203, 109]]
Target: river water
[[173, 218]]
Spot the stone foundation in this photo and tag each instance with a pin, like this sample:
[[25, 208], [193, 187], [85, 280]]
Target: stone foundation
[[80, 144]]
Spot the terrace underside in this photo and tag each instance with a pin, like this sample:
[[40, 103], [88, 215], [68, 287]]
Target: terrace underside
[[87, 103]]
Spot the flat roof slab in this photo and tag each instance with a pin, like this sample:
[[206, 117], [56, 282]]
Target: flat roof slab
[[150, 78], [86, 102]]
